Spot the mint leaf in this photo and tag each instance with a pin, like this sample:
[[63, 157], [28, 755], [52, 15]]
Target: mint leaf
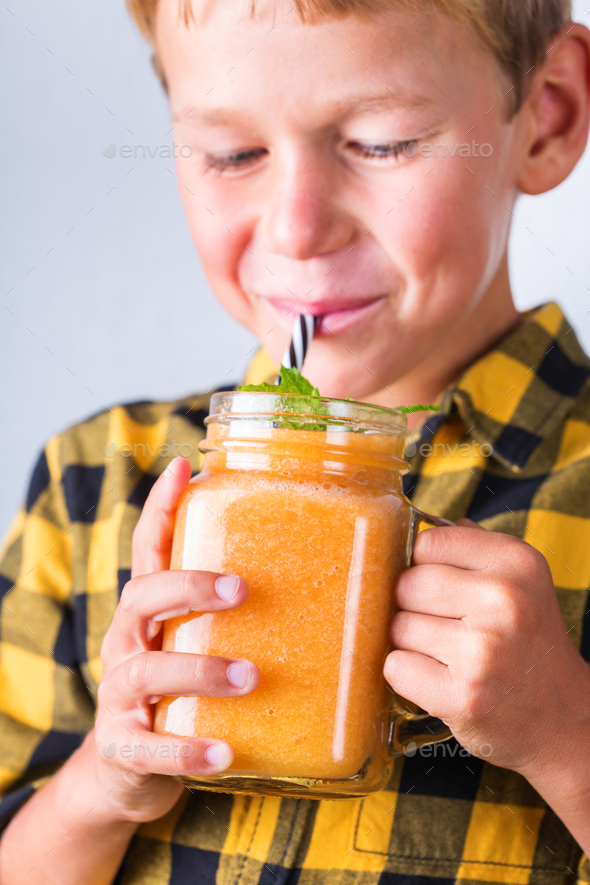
[[292, 381], [409, 410], [292, 384], [260, 388]]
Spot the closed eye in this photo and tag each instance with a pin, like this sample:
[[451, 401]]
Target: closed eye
[[382, 151], [236, 160]]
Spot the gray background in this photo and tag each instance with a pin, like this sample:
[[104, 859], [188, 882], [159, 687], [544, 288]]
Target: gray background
[[86, 239]]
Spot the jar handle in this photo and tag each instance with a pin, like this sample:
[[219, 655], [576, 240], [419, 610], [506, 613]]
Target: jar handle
[[417, 517], [411, 730]]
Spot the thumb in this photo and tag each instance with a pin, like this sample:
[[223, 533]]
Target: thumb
[[152, 538], [470, 524]]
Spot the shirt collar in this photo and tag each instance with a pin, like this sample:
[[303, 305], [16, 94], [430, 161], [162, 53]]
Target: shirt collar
[[518, 393], [513, 396]]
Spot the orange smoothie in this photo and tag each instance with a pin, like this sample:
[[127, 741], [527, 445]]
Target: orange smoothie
[[316, 524]]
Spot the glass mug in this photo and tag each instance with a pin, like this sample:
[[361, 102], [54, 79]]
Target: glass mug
[[304, 500]]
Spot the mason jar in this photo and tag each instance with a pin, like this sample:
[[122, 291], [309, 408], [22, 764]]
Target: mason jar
[[303, 498]]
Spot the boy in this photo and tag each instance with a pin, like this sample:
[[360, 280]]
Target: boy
[[316, 183]]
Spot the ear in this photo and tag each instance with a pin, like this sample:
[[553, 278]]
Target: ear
[[557, 112]]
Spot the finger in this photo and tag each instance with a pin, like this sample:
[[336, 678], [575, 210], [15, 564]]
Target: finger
[[436, 590], [152, 538], [467, 548], [440, 638], [422, 680], [137, 752], [148, 600], [149, 676]]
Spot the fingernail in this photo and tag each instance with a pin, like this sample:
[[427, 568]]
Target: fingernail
[[227, 586], [170, 471], [216, 755], [238, 674]]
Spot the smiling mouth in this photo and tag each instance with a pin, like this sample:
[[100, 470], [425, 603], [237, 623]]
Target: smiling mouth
[[335, 317]]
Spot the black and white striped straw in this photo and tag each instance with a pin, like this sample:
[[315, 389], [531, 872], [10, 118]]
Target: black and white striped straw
[[304, 329]]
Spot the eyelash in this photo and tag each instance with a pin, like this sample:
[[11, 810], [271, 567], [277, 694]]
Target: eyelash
[[379, 151], [233, 161], [245, 158]]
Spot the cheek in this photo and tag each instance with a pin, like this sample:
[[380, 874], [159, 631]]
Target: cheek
[[448, 237], [220, 230]]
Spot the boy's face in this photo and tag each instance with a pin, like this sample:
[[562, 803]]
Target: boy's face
[[299, 198]]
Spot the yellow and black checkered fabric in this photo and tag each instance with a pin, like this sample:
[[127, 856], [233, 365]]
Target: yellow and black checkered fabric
[[447, 818]]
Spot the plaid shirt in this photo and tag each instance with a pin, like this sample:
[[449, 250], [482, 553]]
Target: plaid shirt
[[443, 819]]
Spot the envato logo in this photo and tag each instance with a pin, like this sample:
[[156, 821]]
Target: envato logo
[[445, 150], [464, 450], [447, 748], [140, 751], [162, 450], [165, 151]]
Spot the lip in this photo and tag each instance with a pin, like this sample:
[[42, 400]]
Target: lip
[[335, 317]]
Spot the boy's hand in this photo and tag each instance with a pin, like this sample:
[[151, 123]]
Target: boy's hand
[[136, 674], [480, 643]]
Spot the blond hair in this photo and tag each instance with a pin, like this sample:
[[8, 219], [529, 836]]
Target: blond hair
[[516, 31]]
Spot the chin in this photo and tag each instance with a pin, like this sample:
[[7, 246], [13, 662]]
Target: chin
[[340, 381]]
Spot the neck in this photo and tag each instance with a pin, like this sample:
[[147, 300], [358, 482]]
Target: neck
[[492, 319]]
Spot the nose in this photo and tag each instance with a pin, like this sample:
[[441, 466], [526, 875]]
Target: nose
[[301, 219]]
